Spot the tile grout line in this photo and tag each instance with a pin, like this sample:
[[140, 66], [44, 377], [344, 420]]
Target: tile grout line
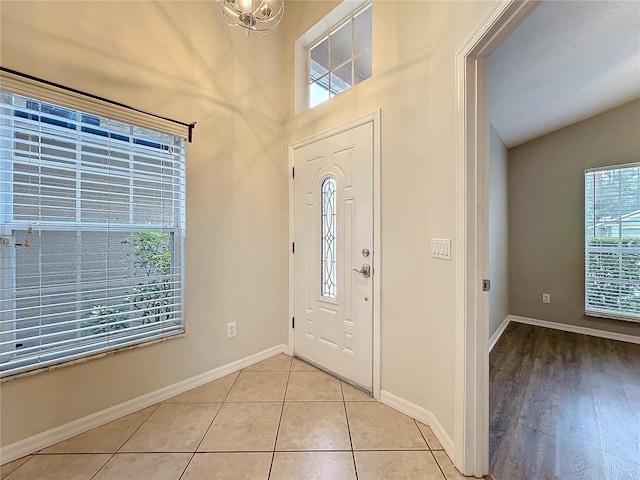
[[123, 443], [346, 415], [139, 427], [275, 442], [444, 475], [98, 453], [19, 466], [211, 423], [104, 465], [422, 434], [433, 455]]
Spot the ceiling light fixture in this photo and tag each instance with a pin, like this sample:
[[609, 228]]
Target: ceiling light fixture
[[262, 16]]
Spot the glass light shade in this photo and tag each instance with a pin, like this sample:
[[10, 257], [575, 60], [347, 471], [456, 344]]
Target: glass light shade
[[262, 16]]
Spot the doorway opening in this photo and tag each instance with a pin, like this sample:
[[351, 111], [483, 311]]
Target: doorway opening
[[473, 221], [472, 168]]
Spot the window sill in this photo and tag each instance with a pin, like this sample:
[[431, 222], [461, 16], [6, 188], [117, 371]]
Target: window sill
[[611, 316], [87, 359]]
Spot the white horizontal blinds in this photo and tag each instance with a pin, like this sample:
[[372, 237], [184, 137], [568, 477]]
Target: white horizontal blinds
[[32, 88], [92, 217], [612, 242]]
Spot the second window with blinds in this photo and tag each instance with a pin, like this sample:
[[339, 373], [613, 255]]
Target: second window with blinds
[[612, 242]]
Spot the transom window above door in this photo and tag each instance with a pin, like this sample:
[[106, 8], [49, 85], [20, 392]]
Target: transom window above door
[[341, 57]]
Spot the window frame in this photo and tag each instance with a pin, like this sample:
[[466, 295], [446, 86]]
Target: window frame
[[343, 12], [351, 59], [9, 224]]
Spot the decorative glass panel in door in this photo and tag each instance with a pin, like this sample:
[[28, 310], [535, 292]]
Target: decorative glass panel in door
[[328, 205]]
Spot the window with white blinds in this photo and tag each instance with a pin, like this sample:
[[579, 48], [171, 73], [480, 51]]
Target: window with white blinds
[[92, 224], [612, 242]]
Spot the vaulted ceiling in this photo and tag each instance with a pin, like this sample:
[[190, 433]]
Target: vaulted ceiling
[[568, 61]]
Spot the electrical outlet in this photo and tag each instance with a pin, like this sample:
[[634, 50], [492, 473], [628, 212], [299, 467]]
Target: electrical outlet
[[231, 329], [546, 298]]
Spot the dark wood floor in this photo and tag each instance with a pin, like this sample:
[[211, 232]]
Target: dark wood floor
[[563, 406]]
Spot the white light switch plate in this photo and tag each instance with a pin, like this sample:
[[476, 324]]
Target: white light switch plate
[[441, 248]]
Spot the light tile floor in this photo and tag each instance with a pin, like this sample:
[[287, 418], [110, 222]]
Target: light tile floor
[[280, 419]]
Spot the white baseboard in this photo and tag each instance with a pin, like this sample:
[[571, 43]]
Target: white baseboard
[[50, 437], [498, 333], [594, 332], [422, 415]]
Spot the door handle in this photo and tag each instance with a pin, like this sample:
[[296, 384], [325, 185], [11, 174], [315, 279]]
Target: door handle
[[365, 270]]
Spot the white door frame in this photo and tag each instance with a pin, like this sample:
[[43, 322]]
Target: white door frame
[[374, 119], [471, 435]]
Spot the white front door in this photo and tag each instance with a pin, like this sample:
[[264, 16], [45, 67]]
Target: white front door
[[333, 233]]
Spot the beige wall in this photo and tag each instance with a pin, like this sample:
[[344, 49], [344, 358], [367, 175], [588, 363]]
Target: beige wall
[[179, 60], [498, 232], [176, 59], [413, 83], [546, 214]]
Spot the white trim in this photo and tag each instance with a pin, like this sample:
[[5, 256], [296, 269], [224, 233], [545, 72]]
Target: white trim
[[593, 332], [374, 118], [377, 250], [343, 127], [471, 414], [498, 333], [50, 437], [292, 211], [422, 415]]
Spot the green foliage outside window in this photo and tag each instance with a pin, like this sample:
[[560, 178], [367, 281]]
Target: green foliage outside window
[[152, 252], [614, 270], [152, 296]]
